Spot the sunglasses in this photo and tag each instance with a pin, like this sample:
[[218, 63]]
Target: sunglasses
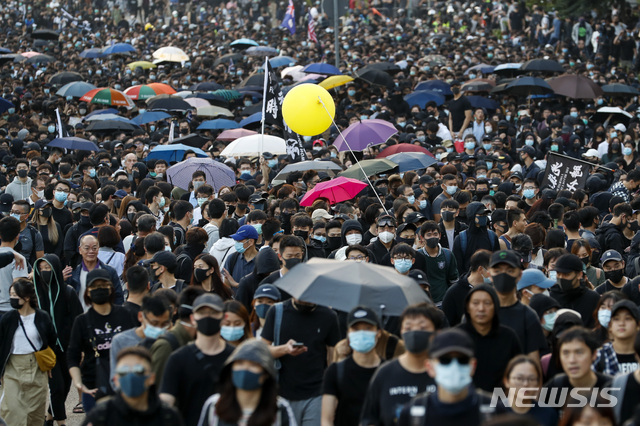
[[447, 359]]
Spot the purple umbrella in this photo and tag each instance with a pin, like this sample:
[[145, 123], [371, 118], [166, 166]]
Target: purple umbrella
[[365, 133], [218, 174]]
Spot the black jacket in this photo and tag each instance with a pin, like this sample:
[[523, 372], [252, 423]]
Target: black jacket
[[611, 237], [580, 299], [114, 411], [267, 261], [9, 326], [457, 229], [380, 252]]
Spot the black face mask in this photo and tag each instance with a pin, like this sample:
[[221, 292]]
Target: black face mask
[[565, 284], [208, 326], [455, 90], [302, 234], [100, 296], [448, 216], [46, 276], [432, 242], [305, 309], [290, 263], [416, 341], [136, 174], [504, 283], [85, 220], [15, 303], [131, 217], [46, 213], [23, 173], [231, 210], [634, 226], [334, 243], [481, 194], [585, 260], [200, 274], [615, 276], [408, 241]]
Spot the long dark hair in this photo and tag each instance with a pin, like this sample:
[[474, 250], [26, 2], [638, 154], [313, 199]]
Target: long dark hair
[[239, 309], [228, 409], [25, 289], [217, 285]]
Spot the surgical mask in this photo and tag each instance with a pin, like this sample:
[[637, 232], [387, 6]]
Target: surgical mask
[[291, 263], [489, 165], [432, 242], [403, 265], [60, 196], [257, 226], [132, 384], [153, 332], [248, 103], [529, 142], [320, 238], [626, 151], [261, 310], [452, 190], [421, 138], [504, 283], [469, 145], [549, 320], [208, 326], [574, 114], [231, 334], [386, 236], [614, 135], [245, 380], [16, 216], [554, 148], [353, 239], [92, 173], [448, 216], [481, 176], [402, 123], [351, 92], [362, 341], [416, 341], [486, 146], [553, 275], [152, 128], [422, 204], [239, 247], [529, 193], [604, 317], [201, 201], [307, 138], [272, 163], [453, 377]]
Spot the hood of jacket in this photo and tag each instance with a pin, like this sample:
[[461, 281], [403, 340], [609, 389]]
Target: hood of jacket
[[496, 304], [224, 243], [347, 226], [267, 261]]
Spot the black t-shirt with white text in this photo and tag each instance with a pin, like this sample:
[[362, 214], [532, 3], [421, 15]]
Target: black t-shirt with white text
[[627, 363]]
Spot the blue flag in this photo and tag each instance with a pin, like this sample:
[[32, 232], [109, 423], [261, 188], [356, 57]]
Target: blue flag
[[289, 21]]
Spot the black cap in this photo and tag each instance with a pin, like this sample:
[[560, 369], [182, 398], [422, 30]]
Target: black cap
[[269, 291], [424, 179], [542, 303], [452, 340], [505, 256], [420, 277], [362, 314], [568, 263], [629, 306], [6, 200], [267, 155], [475, 208], [165, 258], [98, 274], [414, 217]]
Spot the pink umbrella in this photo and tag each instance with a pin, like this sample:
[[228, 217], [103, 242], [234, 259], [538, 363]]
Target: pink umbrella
[[335, 190], [30, 54], [233, 134]]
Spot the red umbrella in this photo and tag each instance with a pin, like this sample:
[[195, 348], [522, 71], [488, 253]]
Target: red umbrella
[[402, 147], [107, 96], [335, 190]]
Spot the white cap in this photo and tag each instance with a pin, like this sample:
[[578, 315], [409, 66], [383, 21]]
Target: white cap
[[591, 153], [620, 127]]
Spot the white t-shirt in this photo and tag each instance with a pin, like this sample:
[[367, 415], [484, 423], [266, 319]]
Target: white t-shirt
[[21, 345]]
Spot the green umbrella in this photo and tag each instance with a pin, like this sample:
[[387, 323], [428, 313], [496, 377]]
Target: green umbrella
[[229, 95], [370, 167]]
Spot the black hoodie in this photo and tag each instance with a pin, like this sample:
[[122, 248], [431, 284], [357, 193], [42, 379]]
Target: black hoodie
[[494, 350], [611, 237], [66, 305], [267, 262], [580, 299]]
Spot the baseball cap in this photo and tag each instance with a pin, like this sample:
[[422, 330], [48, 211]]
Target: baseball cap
[[98, 274], [475, 208], [165, 258], [41, 204], [6, 200], [320, 214], [420, 277], [568, 263], [245, 232], [610, 255], [256, 198], [629, 306], [506, 256], [528, 150], [120, 193], [452, 340], [620, 127], [414, 217], [210, 300], [362, 314], [534, 277], [268, 290], [591, 153]]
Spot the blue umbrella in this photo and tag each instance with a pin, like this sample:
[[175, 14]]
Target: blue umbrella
[[73, 143], [217, 174], [5, 105], [321, 68], [76, 89], [118, 48], [282, 61], [243, 43], [412, 161], [4, 50], [149, 117], [253, 118], [219, 124], [421, 98], [173, 153], [435, 85], [482, 102], [92, 53]]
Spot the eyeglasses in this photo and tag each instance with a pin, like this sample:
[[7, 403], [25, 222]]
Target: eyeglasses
[[357, 258], [447, 359], [90, 248], [522, 380], [406, 257], [62, 190]]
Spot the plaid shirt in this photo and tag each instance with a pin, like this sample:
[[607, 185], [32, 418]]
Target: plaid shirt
[[621, 191], [606, 361]]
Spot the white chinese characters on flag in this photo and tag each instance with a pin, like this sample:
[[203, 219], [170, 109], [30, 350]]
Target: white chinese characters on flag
[[565, 173]]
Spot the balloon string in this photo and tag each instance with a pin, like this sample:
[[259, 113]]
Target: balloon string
[[354, 156]]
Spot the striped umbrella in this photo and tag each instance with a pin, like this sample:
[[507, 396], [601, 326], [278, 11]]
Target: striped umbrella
[[162, 88], [107, 96], [140, 92]]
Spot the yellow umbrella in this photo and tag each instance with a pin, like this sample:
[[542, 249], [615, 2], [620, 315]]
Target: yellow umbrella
[[145, 65], [335, 81]]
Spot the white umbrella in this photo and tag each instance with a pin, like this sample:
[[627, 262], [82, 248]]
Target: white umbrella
[[295, 72], [170, 54], [614, 110], [197, 102], [254, 145], [213, 111]]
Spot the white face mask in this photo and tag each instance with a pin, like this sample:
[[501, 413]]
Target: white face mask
[[353, 239], [386, 236]]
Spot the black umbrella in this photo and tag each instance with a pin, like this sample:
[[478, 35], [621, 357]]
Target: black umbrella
[[169, 104], [383, 66], [40, 59], [253, 80], [206, 86], [526, 86], [45, 35], [111, 126], [65, 77], [542, 65], [191, 139], [618, 89], [252, 109], [376, 77], [235, 57], [11, 57]]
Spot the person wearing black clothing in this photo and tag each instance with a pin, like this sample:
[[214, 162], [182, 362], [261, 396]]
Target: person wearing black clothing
[[483, 325], [137, 279], [192, 372], [381, 247], [610, 235], [456, 402], [613, 266], [91, 334], [61, 302], [453, 301], [445, 228], [345, 383], [571, 291], [267, 261], [626, 388], [72, 234], [136, 401], [477, 237], [460, 112]]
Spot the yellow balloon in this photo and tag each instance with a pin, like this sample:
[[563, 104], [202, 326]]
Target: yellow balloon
[[304, 113]]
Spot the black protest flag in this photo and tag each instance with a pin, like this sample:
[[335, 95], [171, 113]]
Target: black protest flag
[[272, 114], [564, 172]]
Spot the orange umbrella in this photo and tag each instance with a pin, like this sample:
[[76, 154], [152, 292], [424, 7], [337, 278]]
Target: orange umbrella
[[161, 88], [107, 96]]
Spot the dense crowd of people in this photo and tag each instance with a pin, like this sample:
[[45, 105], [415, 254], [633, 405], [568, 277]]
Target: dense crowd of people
[[159, 303]]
